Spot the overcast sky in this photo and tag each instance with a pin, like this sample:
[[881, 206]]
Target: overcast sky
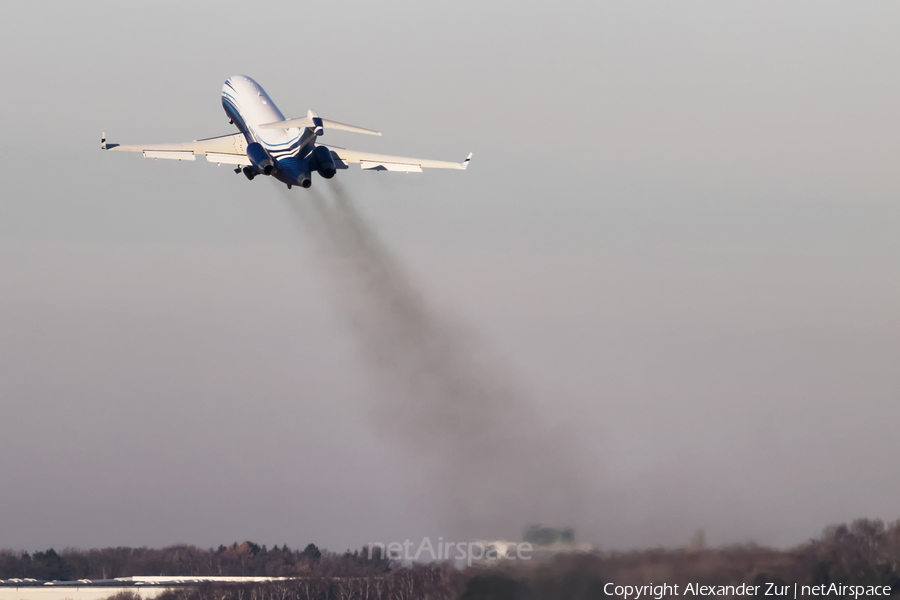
[[678, 234]]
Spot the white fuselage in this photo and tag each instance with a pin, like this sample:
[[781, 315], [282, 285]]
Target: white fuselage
[[248, 105]]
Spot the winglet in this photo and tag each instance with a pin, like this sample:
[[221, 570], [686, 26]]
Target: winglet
[[465, 163], [103, 141]]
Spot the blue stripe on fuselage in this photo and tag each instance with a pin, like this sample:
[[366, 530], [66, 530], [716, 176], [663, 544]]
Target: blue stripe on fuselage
[[283, 144]]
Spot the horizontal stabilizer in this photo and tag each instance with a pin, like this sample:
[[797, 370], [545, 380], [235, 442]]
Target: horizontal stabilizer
[[315, 123]]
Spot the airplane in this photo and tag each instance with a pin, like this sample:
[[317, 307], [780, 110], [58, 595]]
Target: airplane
[[286, 149]]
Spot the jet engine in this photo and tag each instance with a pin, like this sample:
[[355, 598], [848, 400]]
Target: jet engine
[[260, 159], [323, 162]]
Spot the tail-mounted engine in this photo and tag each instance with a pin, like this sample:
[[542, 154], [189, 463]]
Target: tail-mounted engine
[[322, 162], [260, 159]]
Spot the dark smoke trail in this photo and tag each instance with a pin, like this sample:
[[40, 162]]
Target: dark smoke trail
[[492, 469]]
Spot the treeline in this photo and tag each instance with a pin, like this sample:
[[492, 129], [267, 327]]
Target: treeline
[[247, 559], [563, 579], [441, 582], [865, 552]]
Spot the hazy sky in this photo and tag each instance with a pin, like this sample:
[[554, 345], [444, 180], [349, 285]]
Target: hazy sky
[[678, 236]]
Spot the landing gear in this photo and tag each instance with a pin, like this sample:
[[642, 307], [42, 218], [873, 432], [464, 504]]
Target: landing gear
[[249, 173], [289, 186], [231, 121], [237, 170]]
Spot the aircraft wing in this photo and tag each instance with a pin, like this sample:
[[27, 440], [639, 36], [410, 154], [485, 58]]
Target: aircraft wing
[[226, 149], [383, 162]]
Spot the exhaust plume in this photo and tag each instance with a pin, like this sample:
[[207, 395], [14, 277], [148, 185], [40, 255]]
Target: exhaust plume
[[491, 468]]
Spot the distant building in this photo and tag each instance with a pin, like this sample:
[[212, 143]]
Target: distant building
[[546, 542]]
